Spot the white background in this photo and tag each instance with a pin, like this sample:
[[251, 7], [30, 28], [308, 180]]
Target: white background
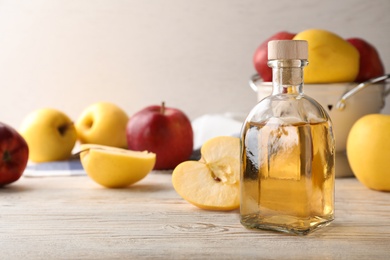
[[194, 55]]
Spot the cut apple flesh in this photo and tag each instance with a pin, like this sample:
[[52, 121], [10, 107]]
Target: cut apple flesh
[[115, 150], [212, 182], [115, 167]]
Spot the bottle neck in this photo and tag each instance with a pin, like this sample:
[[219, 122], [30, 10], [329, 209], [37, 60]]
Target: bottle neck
[[287, 76]]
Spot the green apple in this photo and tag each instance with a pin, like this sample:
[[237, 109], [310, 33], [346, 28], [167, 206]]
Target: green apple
[[50, 135], [103, 123]]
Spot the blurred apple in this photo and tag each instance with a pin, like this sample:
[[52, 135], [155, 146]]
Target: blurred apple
[[165, 131], [332, 59], [50, 135], [368, 151], [13, 155], [103, 123], [260, 57], [370, 64]]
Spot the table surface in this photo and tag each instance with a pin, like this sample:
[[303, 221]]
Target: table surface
[[75, 218]]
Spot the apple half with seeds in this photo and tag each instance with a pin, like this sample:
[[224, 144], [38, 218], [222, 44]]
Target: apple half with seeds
[[211, 183]]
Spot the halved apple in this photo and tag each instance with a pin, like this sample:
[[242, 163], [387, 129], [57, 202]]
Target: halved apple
[[114, 167], [211, 183]]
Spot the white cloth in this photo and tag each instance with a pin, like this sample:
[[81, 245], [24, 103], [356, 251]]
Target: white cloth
[[209, 126]]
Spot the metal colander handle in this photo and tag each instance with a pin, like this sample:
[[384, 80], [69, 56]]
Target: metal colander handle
[[342, 102]]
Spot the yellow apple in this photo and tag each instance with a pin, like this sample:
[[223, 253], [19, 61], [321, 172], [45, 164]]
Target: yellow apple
[[368, 151], [331, 58], [103, 123], [50, 135], [114, 167], [211, 183]]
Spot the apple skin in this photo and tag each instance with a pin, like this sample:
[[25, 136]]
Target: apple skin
[[103, 123], [165, 131], [50, 135], [260, 58], [368, 151], [114, 167], [370, 63], [13, 154]]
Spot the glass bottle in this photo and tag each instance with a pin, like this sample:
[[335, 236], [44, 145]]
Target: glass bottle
[[287, 152]]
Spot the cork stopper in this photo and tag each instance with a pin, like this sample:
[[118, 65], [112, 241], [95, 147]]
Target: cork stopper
[[287, 50]]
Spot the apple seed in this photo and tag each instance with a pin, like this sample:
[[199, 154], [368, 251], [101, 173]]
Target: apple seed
[[217, 179], [221, 171]]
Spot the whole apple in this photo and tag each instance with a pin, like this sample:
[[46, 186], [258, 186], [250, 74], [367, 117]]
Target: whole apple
[[50, 135], [13, 154], [260, 58], [370, 63], [103, 123], [165, 131], [331, 58], [368, 151]]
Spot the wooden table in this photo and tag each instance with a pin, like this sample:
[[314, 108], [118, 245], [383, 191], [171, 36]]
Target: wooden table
[[74, 218]]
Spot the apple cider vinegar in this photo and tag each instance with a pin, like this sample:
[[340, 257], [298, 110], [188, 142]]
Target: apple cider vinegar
[[287, 152], [286, 184]]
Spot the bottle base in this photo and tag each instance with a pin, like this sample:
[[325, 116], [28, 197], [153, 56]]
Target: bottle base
[[296, 226]]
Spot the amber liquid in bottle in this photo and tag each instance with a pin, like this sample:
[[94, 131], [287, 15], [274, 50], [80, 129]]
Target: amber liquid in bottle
[[286, 186], [287, 159]]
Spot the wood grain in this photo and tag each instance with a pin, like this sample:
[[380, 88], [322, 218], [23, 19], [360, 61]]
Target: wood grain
[[74, 218]]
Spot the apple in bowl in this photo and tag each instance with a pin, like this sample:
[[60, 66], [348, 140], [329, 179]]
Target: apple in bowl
[[370, 63], [260, 57]]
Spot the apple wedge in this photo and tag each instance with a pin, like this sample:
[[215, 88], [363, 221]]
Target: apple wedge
[[114, 167], [211, 183]]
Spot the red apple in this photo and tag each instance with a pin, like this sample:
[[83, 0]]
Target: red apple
[[370, 64], [165, 131], [13, 155], [260, 58]]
